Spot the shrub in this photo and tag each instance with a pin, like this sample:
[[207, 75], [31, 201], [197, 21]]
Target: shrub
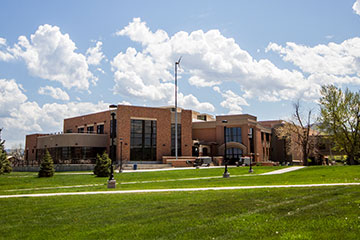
[[47, 166], [102, 167], [5, 165]]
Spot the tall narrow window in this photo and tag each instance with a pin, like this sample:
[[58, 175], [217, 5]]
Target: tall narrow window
[[100, 129]]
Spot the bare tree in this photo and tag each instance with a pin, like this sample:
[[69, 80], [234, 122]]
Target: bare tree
[[17, 152], [298, 133]]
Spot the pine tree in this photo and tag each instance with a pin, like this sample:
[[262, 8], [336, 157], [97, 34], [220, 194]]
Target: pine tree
[[47, 166], [102, 167], [5, 165]]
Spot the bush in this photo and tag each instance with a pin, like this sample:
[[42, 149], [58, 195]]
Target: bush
[[47, 166], [5, 165], [102, 167]]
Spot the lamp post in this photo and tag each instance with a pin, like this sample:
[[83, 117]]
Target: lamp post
[[251, 157], [121, 143], [176, 133], [226, 173], [112, 181], [250, 135]]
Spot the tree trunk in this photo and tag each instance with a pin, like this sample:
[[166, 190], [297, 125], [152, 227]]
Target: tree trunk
[[351, 160], [305, 156]]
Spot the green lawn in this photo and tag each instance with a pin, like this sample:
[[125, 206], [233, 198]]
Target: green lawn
[[316, 213], [22, 182], [295, 213]]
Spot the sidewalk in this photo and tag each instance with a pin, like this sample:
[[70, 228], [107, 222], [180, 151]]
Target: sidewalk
[[284, 170], [177, 190]]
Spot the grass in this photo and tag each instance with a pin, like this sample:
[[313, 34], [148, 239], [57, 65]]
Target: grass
[[175, 179], [301, 213], [318, 213]]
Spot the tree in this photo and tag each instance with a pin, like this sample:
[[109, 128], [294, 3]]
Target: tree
[[5, 165], [17, 152], [47, 166], [340, 119], [102, 167], [297, 132]]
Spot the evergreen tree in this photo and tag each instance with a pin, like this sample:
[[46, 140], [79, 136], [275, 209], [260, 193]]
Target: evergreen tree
[[5, 165], [102, 167], [47, 166]]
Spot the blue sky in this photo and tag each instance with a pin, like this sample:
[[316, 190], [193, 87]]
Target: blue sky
[[60, 59]]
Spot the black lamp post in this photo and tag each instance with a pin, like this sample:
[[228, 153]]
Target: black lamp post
[[112, 182], [251, 157], [121, 143], [226, 173]]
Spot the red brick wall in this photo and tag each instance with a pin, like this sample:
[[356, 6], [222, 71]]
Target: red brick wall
[[186, 132], [163, 138], [205, 134], [30, 148], [258, 145], [85, 120]]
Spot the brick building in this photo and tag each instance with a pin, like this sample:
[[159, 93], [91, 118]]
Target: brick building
[[147, 135]]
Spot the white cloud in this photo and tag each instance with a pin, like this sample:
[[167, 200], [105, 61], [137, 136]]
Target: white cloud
[[19, 117], [209, 59], [5, 55], [11, 97], [94, 54], [356, 7], [100, 70], [2, 41], [232, 101], [50, 54], [332, 63], [56, 93], [139, 32], [191, 102], [124, 103], [200, 82]]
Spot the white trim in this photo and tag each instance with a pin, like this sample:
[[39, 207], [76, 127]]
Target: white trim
[[143, 118]]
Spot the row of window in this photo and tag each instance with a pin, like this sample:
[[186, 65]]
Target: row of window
[[90, 129], [72, 155]]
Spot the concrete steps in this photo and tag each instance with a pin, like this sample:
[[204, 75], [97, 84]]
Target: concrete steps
[[147, 166]]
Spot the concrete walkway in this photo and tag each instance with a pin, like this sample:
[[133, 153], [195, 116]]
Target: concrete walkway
[[284, 170], [289, 169], [177, 190]]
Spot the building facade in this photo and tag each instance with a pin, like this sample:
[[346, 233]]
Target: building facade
[[147, 135], [244, 137]]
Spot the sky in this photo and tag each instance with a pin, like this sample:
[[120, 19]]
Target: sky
[[60, 59]]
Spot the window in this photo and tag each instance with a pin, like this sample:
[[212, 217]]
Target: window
[[201, 117], [81, 130], [90, 129], [233, 134], [233, 154], [143, 140], [100, 129], [173, 139]]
